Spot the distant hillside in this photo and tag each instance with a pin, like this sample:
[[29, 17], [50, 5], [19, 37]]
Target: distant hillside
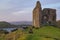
[[22, 22], [4, 24]]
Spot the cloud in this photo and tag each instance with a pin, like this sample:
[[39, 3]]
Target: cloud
[[54, 5], [58, 14], [22, 15], [25, 11], [12, 10], [21, 10], [4, 4]]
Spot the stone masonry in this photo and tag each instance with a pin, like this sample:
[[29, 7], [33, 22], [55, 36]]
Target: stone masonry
[[47, 16], [37, 15]]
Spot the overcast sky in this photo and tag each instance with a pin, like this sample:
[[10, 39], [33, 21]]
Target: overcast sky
[[21, 10]]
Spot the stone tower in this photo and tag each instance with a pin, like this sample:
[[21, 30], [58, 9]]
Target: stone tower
[[37, 15], [49, 16]]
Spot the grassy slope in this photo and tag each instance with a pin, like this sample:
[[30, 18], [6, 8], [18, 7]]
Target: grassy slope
[[17, 35], [44, 33]]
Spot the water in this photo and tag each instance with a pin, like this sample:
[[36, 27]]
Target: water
[[7, 29]]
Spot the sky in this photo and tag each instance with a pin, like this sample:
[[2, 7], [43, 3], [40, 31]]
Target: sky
[[21, 10]]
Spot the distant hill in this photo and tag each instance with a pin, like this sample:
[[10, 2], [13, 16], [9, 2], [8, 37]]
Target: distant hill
[[4, 24], [21, 22]]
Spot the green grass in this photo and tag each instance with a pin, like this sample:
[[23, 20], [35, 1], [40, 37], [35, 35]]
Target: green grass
[[43, 33]]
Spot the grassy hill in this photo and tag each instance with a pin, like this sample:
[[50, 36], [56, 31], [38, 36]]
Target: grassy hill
[[44, 33], [4, 24]]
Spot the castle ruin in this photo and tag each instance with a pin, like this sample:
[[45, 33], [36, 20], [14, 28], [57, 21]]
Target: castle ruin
[[47, 16]]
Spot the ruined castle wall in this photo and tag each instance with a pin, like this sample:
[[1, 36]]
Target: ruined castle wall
[[51, 15], [37, 15], [43, 17]]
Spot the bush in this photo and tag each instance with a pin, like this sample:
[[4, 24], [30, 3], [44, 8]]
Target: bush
[[14, 30], [30, 31], [4, 32]]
